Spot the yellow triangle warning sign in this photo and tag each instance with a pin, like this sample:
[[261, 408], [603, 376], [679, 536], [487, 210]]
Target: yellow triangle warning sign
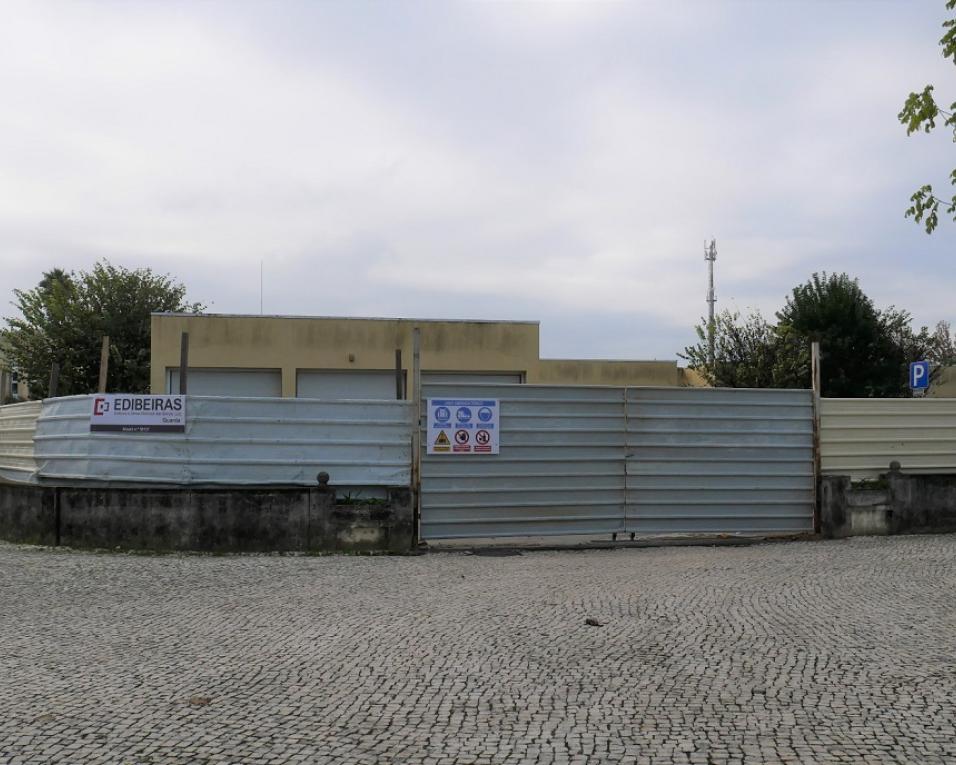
[[442, 439]]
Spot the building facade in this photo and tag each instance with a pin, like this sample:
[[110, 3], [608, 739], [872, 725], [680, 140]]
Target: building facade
[[12, 389], [325, 357]]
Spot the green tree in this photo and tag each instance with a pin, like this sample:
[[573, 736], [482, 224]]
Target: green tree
[[941, 345], [743, 351], [920, 113], [865, 351], [65, 316]]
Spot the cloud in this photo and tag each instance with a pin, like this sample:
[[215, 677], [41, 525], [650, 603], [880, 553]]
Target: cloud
[[554, 160]]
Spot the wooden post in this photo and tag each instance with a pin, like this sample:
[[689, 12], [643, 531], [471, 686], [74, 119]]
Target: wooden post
[[399, 381], [416, 436], [183, 363], [817, 395], [54, 379], [104, 363]]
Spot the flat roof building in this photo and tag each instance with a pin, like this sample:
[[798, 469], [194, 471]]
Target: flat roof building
[[330, 357]]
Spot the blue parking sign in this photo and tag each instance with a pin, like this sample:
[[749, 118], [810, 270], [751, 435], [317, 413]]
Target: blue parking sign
[[919, 375]]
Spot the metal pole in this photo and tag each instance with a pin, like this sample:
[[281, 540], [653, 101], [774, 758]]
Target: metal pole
[[104, 363], [183, 363], [815, 382], [710, 255], [54, 379], [416, 436], [399, 386]]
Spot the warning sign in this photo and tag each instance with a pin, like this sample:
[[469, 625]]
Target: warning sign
[[472, 423], [441, 444]]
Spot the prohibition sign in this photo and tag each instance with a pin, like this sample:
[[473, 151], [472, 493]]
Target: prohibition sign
[[482, 437], [461, 436]]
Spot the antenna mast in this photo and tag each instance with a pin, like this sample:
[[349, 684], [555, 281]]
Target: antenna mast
[[710, 255]]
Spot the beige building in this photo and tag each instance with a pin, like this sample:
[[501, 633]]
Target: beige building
[[320, 357], [11, 387]]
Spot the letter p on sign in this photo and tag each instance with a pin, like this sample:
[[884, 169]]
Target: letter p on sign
[[919, 375]]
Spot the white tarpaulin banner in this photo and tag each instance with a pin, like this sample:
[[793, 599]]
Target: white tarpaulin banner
[[462, 426], [129, 413]]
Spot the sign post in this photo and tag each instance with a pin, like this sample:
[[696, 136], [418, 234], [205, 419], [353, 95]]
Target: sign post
[[463, 426], [919, 377]]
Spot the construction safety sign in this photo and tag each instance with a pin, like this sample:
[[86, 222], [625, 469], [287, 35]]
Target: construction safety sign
[[462, 426]]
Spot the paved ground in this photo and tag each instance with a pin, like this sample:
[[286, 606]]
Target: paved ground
[[802, 652]]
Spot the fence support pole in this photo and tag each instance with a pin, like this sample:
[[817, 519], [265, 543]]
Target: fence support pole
[[817, 395], [54, 379], [104, 363], [183, 363], [399, 386], [416, 436]]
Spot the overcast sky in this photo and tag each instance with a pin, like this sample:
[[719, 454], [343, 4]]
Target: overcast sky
[[553, 161]]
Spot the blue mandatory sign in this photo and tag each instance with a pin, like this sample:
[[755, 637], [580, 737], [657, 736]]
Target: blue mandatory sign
[[443, 414], [485, 414], [463, 414]]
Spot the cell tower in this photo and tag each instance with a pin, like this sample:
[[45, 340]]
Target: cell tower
[[710, 255]]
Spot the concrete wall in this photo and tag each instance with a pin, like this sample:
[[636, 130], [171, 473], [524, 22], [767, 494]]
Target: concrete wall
[[212, 520], [944, 386], [896, 504], [28, 514], [6, 385], [601, 372], [290, 344]]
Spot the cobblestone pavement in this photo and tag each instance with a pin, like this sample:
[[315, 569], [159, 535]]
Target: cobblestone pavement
[[808, 652]]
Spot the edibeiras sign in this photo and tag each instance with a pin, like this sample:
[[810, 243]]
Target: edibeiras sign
[[128, 413]]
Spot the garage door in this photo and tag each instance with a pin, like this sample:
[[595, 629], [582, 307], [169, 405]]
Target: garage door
[[260, 383], [346, 383]]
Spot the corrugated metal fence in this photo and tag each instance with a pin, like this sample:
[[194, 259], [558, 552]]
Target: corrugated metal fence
[[860, 437], [17, 426], [719, 460], [560, 469], [577, 460], [235, 441]]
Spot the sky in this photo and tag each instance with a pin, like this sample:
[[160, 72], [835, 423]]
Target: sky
[[556, 161]]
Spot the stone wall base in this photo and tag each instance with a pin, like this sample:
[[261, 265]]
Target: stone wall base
[[229, 519]]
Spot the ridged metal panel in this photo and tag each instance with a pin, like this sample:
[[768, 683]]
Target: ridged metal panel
[[859, 437], [560, 470], [712, 460], [17, 426], [236, 441]]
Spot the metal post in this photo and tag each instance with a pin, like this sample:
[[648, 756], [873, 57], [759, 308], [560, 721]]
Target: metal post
[[416, 436], [104, 363], [54, 379], [399, 381], [183, 363], [710, 255], [815, 382]]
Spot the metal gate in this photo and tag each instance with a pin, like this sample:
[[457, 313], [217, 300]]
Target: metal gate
[[711, 460], [560, 470], [590, 460]]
